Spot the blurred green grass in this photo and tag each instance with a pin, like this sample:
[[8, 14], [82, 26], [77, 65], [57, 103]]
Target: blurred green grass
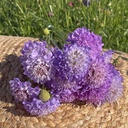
[[108, 18]]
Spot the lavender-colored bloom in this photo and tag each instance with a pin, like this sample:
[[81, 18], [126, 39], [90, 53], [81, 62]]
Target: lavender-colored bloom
[[77, 59], [39, 108], [22, 90], [116, 88], [33, 50], [96, 84], [99, 74], [83, 37], [39, 71], [96, 96], [72, 63], [36, 60]]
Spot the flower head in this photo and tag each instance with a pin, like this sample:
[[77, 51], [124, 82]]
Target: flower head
[[22, 90], [36, 60], [96, 96], [97, 82], [116, 88], [83, 37], [33, 50], [99, 73], [38, 71], [38, 107], [72, 63]]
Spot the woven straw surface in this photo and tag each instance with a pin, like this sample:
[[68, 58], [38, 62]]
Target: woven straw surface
[[12, 115]]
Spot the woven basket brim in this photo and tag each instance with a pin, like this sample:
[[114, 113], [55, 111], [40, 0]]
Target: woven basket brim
[[12, 115]]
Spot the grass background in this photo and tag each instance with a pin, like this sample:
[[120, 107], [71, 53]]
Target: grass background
[[108, 18]]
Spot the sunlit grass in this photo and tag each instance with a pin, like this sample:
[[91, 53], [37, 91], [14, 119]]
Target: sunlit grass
[[108, 18]]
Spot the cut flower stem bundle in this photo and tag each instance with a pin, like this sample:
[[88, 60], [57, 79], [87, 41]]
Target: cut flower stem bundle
[[80, 71]]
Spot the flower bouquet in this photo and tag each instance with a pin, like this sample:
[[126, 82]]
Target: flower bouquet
[[79, 72]]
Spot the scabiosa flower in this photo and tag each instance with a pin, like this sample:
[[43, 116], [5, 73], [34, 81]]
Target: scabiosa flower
[[22, 90], [96, 96], [33, 50], [38, 107], [39, 71], [99, 73], [36, 61], [116, 88], [97, 82], [83, 37], [77, 59], [72, 63]]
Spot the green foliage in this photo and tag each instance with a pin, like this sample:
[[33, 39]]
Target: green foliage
[[108, 18]]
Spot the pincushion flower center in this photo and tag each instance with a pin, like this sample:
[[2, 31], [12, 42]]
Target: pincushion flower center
[[74, 56], [41, 69], [22, 95]]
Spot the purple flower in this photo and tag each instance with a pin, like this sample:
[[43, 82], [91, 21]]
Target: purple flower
[[36, 60], [83, 37], [38, 107], [97, 82], [22, 90], [72, 63], [33, 50], [116, 88], [99, 73], [39, 71], [96, 96]]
